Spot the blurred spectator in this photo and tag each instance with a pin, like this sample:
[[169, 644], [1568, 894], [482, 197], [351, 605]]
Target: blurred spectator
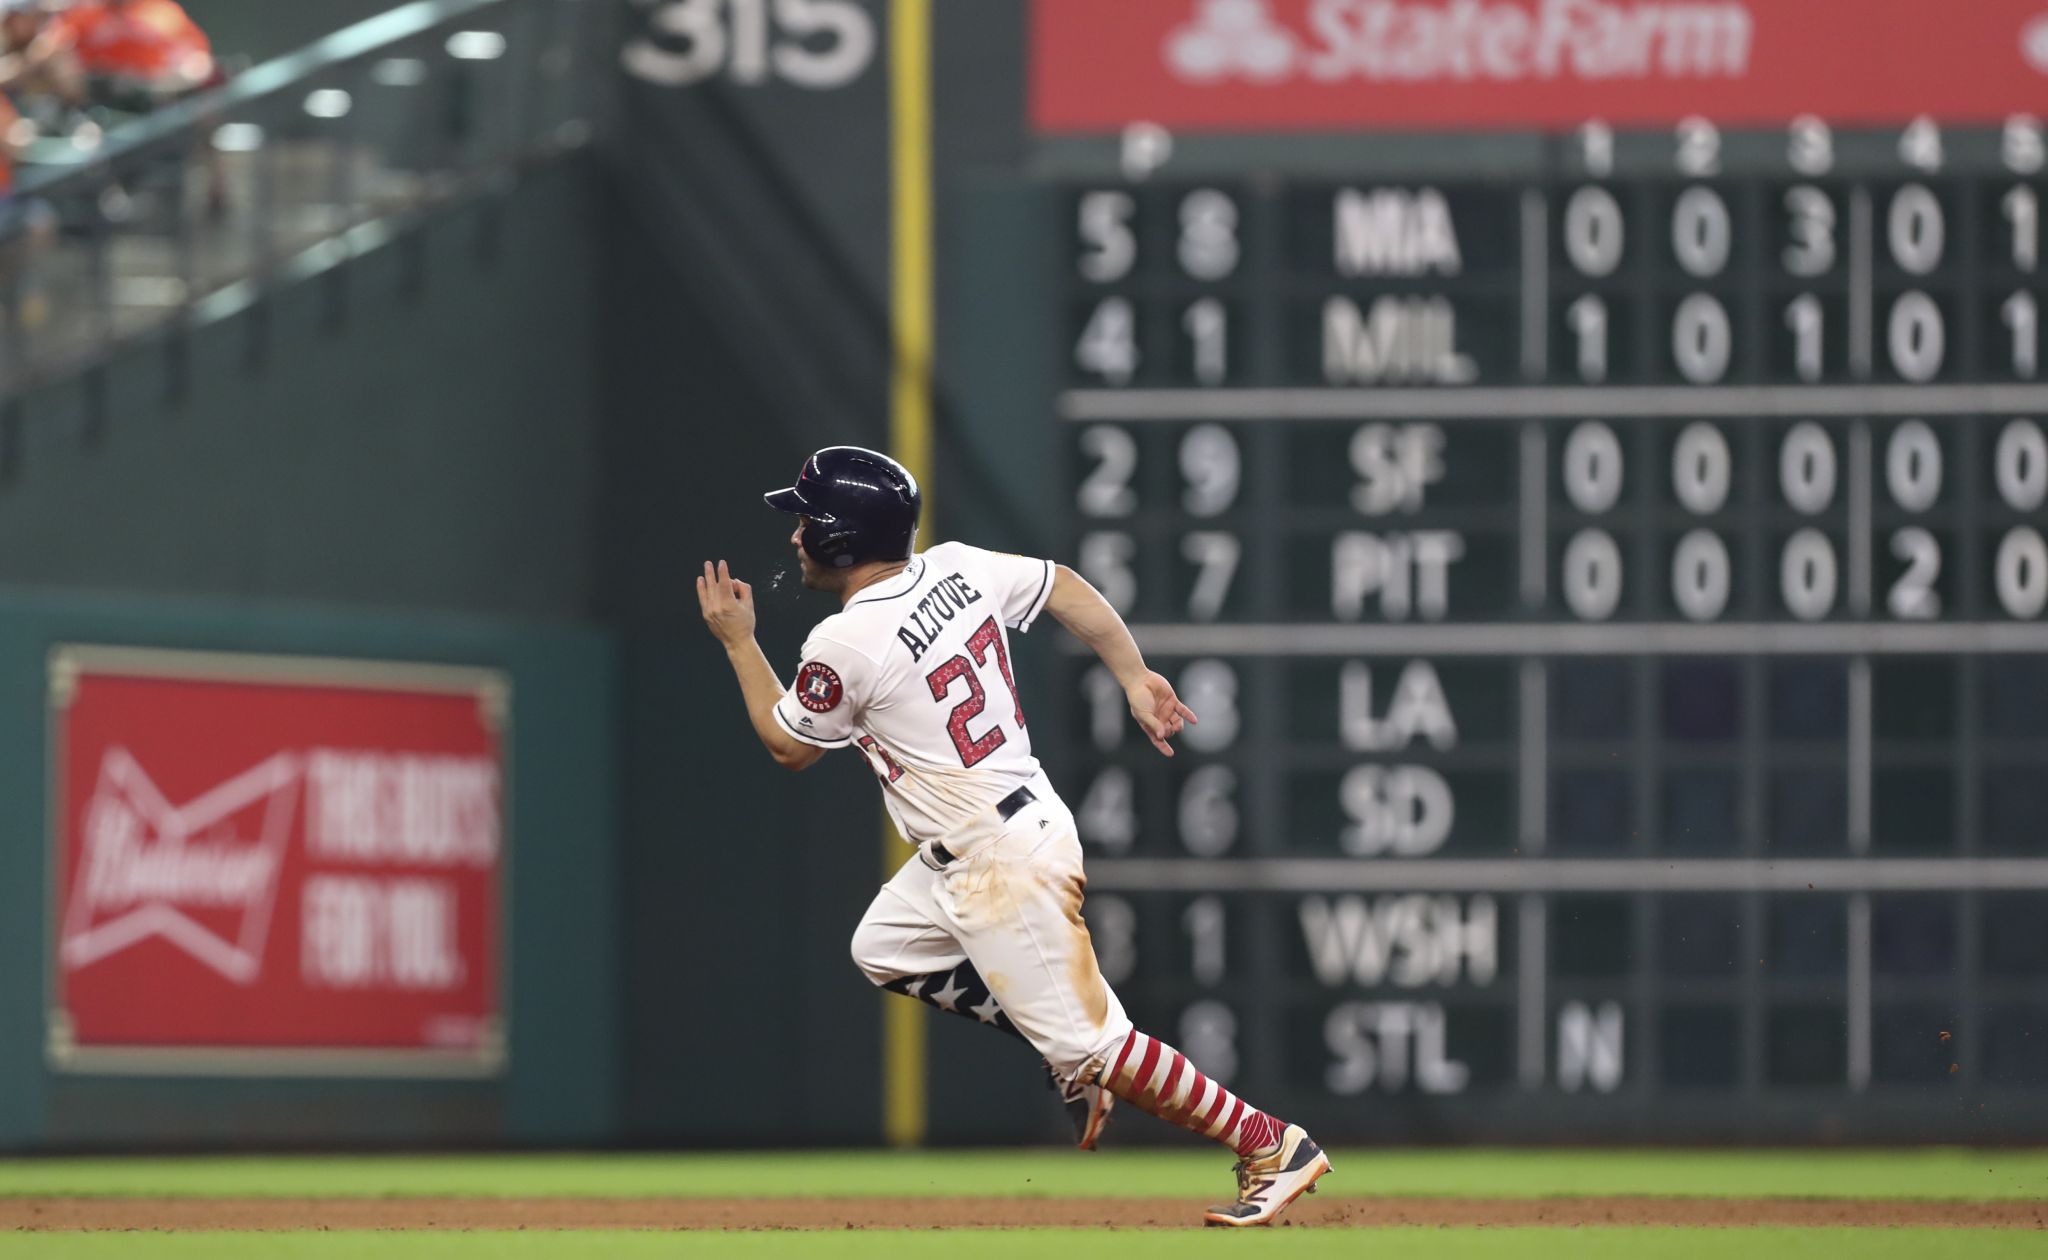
[[27, 227], [10, 128], [38, 68], [136, 54]]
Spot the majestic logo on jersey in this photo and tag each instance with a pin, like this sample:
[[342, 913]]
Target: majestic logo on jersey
[[948, 597], [818, 688]]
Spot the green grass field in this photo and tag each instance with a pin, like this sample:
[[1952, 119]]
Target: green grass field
[[1395, 1244], [1931, 1174], [1927, 1173]]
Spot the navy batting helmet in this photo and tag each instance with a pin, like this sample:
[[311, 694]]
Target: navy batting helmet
[[858, 505]]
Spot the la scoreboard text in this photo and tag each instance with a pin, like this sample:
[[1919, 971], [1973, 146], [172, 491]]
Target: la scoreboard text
[[1612, 586]]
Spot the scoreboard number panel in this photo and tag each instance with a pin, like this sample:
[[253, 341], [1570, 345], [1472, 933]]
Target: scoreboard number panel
[[1615, 592]]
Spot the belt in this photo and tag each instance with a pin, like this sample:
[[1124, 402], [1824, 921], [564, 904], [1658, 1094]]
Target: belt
[[1006, 809]]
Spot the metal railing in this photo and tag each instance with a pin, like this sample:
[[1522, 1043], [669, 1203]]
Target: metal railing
[[186, 214]]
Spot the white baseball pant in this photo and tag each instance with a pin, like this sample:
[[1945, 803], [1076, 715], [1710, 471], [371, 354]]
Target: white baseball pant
[[1010, 903]]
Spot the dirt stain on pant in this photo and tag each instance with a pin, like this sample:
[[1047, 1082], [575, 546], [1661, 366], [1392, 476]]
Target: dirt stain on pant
[[1082, 969]]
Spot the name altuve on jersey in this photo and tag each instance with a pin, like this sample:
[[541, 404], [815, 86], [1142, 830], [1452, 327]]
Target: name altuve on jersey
[[949, 596]]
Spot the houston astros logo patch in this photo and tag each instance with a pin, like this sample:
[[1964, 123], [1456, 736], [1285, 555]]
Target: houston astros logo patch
[[818, 688]]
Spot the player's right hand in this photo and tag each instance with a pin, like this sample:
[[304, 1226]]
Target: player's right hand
[[727, 604], [1158, 711]]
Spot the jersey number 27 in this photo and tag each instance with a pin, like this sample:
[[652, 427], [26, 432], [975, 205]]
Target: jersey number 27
[[973, 751]]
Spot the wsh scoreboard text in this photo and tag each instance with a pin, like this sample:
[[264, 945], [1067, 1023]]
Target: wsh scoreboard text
[[1609, 565]]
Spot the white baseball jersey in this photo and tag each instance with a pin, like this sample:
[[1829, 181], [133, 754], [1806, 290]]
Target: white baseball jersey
[[915, 672]]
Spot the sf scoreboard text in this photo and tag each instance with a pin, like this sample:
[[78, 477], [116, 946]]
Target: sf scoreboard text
[[1613, 592]]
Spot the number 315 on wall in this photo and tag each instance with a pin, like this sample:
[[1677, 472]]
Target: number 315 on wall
[[817, 44]]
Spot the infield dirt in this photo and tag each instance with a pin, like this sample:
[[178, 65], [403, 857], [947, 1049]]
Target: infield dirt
[[965, 1213]]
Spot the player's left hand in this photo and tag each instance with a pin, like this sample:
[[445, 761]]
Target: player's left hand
[[1158, 711], [727, 604]]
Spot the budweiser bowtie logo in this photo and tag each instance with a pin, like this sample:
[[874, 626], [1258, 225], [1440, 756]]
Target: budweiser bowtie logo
[[1428, 41], [202, 875]]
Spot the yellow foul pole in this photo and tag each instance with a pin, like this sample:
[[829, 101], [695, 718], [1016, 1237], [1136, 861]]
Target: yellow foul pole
[[910, 441]]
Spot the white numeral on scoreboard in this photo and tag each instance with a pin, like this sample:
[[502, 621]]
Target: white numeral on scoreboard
[[1811, 150], [2023, 316], [1212, 468], [1917, 232], [1920, 145], [1593, 232], [1805, 318], [1207, 324], [1114, 926], [2021, 466], [1806, 468], [1208, 1035], [1699, 147], [1205, 924], [1106, 490], [1700, 575], [1208, 248], [1596, 148], [1215, 555], [1209, 687], [1105, 559], [1108, 709], [1592, 467], [1592, 575], [1808, 575], [1588, 320], [1701, 468], [2023, 210], [2021, 573], [2022, 148], [1702, 341], [1913, 597], [1108, 347], [1208, 811], [1109, 812], [1701, 233], [1917, 338], [1812, 228], [1110, 247], [1912, 466]]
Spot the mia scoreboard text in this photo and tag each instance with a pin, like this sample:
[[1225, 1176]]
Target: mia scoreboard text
[[1610, 570]]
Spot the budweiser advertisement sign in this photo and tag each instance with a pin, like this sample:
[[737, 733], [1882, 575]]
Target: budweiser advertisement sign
[[271, 864], [1242, 65]]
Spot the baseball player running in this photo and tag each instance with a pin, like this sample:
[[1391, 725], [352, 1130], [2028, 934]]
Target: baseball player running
[[985, 921]]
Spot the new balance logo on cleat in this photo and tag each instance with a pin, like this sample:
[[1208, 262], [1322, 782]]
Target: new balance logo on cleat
[[1266, 1184], [1088, 1106]]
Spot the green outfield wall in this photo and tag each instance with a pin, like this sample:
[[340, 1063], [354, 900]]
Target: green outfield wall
[[559, 1081]]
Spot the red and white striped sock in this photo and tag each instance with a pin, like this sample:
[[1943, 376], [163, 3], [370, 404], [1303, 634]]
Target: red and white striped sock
[[1156, 1078]]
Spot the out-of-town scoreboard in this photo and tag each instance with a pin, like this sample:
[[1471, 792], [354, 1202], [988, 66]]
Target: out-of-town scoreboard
[[1610, 564]]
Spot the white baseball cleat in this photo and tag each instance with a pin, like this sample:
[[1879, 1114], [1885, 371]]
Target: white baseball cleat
[[1088, 1106], [1266, 1184]]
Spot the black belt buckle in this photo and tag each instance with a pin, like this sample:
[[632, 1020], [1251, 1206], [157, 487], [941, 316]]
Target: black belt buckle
[[1007, 808]]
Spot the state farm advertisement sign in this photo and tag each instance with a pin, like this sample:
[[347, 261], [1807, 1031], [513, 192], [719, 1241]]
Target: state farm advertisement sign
[[1515, 64], [275, 864]]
